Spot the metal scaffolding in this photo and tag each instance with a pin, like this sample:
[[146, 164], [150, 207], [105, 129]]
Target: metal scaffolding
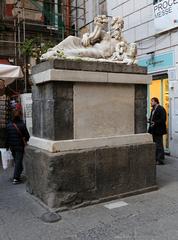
[[53, 19], [57, 16]]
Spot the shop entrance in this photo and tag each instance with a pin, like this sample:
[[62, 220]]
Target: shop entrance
[[160, 89]]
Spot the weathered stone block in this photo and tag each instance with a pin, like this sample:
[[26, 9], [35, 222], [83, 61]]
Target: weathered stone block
[[140, 108], [53, 111], [88, 66], [69, 178]]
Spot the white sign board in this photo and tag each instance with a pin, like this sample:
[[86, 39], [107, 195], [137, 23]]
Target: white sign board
[[165, 14], [26, 101]]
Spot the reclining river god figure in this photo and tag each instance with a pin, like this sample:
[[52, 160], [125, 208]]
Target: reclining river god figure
[[98, 45]]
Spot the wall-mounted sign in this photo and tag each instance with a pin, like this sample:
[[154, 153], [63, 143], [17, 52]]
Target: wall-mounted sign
[[165, 14], [157, 63]]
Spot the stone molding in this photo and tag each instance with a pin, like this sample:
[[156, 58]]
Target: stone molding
[[78, 144], [88, 76], [93, 66]]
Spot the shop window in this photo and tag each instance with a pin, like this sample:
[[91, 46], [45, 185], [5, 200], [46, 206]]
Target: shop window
[[160, 89]]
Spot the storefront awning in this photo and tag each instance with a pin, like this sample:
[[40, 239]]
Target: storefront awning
[[9, 73]]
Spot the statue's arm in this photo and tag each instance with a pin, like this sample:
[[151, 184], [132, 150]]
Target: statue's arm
[[92, 38], [95, 35]]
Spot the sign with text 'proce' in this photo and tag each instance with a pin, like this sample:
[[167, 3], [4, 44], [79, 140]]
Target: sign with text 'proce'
[[165, 14]]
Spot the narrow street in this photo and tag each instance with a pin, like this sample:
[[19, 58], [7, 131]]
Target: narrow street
[[92, 88], [151, 216]]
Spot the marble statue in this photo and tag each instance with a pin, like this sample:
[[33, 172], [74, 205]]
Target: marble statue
[[99, 45]]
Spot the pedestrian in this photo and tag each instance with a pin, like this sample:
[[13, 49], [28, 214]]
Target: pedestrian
[[18, 105], [16, 138], [157, 127]]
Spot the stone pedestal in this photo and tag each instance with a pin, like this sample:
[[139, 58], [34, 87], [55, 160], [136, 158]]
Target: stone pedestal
[[89, 124]]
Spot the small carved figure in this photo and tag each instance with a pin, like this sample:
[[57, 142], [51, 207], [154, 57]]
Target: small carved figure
[[120, 51], [131, 54], [117, 26]]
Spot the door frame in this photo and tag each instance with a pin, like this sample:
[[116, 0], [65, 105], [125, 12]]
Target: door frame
[[160, 76]]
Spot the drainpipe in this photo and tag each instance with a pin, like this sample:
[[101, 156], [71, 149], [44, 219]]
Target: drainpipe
[[68, 17]]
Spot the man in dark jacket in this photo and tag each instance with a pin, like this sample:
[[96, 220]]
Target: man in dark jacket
[[17, 136], [157, 127]]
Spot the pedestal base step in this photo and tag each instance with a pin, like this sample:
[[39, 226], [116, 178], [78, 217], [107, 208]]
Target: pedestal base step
[[81, 144], [80, 177]]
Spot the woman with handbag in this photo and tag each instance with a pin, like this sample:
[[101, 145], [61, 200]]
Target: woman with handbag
[[17, 136]]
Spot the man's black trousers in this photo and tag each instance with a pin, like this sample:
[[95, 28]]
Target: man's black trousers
[[17, 153], [158, 140]]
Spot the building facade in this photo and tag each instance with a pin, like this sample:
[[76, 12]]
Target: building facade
[[22, 19], [91, 8], [153, 25]]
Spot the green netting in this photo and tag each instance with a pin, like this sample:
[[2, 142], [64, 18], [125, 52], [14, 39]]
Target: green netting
[[51, 17]]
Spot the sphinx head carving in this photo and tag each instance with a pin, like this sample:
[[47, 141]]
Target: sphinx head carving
[[101, 21]]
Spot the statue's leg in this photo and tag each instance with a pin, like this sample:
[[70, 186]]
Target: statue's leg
[[71, 42]]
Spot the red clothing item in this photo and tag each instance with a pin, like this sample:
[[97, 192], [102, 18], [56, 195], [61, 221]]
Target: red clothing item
[[18, 106]]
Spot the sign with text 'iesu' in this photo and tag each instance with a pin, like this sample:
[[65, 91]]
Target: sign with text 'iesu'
[[165, 14]]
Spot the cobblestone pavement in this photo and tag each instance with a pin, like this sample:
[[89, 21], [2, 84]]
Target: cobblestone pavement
[[151, 216]]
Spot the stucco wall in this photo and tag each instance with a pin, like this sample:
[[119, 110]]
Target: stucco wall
[[139, 25]]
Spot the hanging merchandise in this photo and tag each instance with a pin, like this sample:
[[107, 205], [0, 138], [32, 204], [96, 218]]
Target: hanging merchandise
[[8, 73], [3, 111], [2, 87]]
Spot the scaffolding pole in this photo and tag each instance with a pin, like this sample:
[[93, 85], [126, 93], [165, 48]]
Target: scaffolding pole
[[61, 22]]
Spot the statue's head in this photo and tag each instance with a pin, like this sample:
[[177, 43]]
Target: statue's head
[[121, 47], [132, 51], [117, 23], [101, 20]]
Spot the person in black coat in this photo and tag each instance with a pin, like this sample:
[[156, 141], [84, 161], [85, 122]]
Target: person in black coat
[[157, 127], [16, 137]]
